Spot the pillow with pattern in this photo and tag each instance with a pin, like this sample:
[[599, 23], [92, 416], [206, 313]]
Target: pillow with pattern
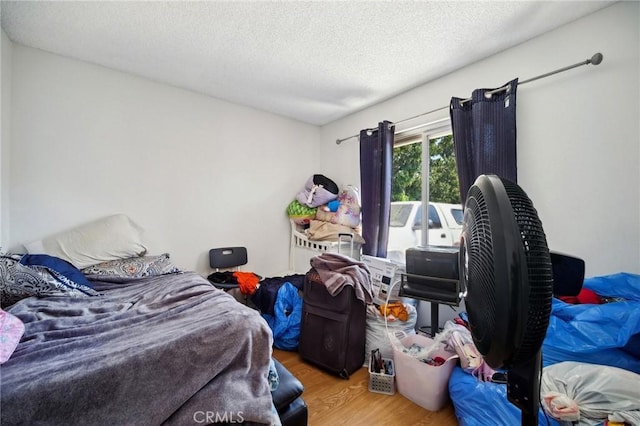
[[18, 281], [59, 265], [134, 267]]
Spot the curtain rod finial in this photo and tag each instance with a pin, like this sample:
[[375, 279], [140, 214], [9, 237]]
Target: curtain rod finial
[[338, 141], [596, 59]]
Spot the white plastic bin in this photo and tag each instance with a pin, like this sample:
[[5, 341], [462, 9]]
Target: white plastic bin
[[424, 384]]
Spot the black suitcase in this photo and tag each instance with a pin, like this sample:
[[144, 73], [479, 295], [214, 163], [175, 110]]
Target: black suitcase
[[333, 328]]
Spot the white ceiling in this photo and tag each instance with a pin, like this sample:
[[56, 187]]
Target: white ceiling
[[312, 61]]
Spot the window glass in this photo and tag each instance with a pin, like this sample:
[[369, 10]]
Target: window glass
[[445, 212], [399, 215], [458, 215], [418, 221], [434, 218]]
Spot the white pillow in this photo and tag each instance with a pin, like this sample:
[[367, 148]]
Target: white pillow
[[110, 238]]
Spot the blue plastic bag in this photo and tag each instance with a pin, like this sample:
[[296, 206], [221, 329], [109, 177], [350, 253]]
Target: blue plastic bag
[[285, 321]]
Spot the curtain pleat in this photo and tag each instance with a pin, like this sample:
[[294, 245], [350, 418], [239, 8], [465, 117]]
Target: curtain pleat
[[484, 135], [376, 161]]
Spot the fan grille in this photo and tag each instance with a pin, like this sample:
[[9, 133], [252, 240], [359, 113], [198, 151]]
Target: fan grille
[[478, 268], [506, 269], [539, 270]]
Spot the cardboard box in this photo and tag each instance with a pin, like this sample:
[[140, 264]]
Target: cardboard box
[[385, 274]]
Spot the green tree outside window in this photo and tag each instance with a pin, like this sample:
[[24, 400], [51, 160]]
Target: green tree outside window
[[407, 172]]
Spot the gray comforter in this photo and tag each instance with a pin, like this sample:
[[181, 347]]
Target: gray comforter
[[170, 349]]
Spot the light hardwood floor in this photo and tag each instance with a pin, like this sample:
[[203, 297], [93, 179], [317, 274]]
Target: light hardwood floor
[[333, 401]]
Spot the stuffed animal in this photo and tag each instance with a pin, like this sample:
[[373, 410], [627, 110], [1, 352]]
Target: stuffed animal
[[331, 206]]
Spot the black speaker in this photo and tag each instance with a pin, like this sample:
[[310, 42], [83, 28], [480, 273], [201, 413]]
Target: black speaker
[[433, 261]]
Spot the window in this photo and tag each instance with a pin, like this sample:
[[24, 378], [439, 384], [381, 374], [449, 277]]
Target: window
[[399, 215], [409, 189], [434, 220], [458, 215]]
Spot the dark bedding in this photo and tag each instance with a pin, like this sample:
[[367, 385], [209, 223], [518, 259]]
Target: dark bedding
[[168, 349]]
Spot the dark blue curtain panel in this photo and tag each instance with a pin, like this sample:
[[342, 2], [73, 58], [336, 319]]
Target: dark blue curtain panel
[[376, 161], [484, 135]]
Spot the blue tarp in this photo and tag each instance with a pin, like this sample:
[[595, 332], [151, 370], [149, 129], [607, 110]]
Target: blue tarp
[[485, 404], [605, 334]]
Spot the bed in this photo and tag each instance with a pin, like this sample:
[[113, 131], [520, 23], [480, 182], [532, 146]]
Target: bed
[[605, 334], [150, 345]]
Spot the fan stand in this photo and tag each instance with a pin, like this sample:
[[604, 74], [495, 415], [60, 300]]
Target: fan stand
[[523, 388]]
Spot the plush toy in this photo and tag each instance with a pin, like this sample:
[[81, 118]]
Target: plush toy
[[331, 206]]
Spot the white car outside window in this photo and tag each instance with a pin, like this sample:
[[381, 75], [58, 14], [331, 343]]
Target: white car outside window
[[405, 226]]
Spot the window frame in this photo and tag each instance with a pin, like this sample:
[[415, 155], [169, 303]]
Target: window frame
[[428, 132]]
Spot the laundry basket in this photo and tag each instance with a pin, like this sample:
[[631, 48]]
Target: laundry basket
[[424, 384]]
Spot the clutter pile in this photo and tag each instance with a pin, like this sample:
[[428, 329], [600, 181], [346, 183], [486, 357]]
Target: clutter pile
[[379, 324], [322, 212], [279, 301], [247, 281]]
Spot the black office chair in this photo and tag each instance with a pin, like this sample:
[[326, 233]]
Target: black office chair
[[433, 276], [226, 258]]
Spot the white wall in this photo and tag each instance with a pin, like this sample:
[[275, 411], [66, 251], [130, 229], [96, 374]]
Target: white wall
[[193, 171], [5, 133], [578, 132]]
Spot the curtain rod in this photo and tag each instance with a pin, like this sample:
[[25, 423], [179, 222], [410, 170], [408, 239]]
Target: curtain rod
[[596, 59]]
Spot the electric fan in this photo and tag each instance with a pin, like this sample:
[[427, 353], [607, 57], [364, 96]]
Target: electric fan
[[506, 269]]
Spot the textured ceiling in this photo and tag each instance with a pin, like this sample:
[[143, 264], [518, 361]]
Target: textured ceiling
[[311, 61]]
